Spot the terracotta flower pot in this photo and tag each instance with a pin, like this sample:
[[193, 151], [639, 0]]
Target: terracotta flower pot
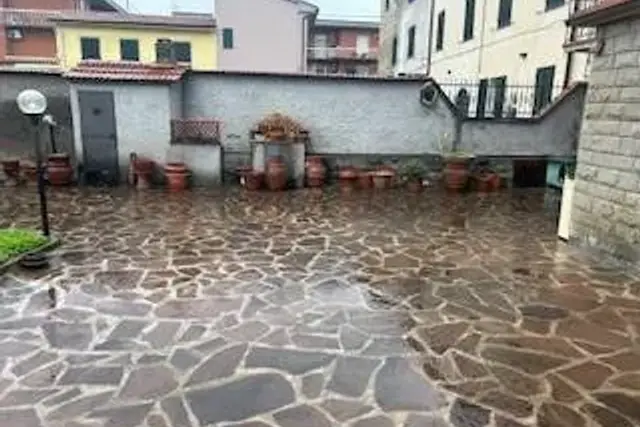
[[241, 172], [316, 171], [177, 175], [365, 180], [11, 168], [143, 169], [253, 180], [487, 182], [415, 185], [382, 179], [456, 174], [59, 169], [29, 171], [348, 177], [276, 175]]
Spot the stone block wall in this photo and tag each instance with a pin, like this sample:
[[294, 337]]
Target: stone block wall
[[607, 200]]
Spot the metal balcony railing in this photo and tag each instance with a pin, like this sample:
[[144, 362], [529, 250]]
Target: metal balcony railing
[[581, 38], [342, 53], [582, 5]]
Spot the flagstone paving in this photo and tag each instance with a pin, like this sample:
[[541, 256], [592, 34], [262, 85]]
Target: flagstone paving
[[313, 309]]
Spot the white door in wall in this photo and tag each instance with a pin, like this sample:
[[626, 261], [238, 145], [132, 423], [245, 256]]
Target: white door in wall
[[362, 45]]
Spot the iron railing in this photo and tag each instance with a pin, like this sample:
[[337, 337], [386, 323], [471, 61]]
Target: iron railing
[[341, 53], [494, 98], [580, 5], [195, 131]]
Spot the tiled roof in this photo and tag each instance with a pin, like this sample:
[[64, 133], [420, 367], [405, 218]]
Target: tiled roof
[[126, 71], [150, 20]]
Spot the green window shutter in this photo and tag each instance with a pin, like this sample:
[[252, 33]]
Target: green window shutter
[[469, 20], [129, 50], [440, 33], [504, 13], [90, 48], [394, 51], [182, 51], [412, 42], [227, 38]]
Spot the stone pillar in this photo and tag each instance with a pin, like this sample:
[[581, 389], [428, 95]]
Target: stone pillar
[[298, 160], [606, 207], [259, 156]]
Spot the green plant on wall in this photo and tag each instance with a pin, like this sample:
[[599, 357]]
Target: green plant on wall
[[413, 170]]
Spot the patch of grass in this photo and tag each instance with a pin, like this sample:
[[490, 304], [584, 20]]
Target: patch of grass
[[15, 241]]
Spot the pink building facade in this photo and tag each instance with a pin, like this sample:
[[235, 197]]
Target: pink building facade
[[264, 35], [343, 47]]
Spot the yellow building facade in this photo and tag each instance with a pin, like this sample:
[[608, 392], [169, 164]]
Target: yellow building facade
[[135, 38]]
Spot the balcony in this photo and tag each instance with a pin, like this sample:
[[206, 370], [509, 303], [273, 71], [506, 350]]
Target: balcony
[[581, 39], [329, 53]]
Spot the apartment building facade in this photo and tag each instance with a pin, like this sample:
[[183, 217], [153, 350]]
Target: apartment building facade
[[343, 47], [27, 34], [489, 44], [264, 35], [188, 40]]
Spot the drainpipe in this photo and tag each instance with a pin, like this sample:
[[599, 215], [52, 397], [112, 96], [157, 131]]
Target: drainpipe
[[482, 34], [430, 38], [306, 28], [572, 36]]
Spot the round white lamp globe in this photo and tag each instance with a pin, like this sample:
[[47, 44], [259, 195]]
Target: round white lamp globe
[[32, 102]]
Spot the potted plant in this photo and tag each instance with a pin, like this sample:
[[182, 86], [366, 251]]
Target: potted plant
[[485, 178], [413, 173], [382, 175], [177, 176], [278, 127], [316, 171]]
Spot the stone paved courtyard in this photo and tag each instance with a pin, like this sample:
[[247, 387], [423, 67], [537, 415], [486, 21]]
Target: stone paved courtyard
[[311, 309]]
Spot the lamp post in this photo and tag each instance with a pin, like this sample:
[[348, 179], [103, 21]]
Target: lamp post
[[33, 104]]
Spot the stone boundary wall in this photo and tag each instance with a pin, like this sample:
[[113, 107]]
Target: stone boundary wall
[[352, 120], [606, 210]]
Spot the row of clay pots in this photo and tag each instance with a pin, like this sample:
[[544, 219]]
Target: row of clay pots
[[382, 178], [59, 169], [457, 176], [176, 174], [275, 177]]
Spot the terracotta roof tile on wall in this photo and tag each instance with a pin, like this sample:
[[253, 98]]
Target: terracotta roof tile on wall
[[135, 19], [126, 71]]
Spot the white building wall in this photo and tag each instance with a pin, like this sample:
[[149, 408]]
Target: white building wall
[[534, 39], [416, 13]]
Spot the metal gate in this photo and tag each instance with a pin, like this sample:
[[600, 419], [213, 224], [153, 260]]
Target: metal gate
[[99, 138]]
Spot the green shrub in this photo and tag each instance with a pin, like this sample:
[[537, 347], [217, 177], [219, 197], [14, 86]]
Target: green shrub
[[14, 241]]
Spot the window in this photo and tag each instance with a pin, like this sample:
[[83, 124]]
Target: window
[[554, 4], [394, 51], [504, 13], [440, 33], [90, 48], [164, 51], [129, 50], [386, 4], [182, 51], [227, 38], [412, 42], [469, 20]]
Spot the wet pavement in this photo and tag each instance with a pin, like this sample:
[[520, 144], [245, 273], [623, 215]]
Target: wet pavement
[[311, 309]]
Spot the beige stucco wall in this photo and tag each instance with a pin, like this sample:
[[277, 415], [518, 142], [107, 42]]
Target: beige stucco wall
[[495, 52]]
